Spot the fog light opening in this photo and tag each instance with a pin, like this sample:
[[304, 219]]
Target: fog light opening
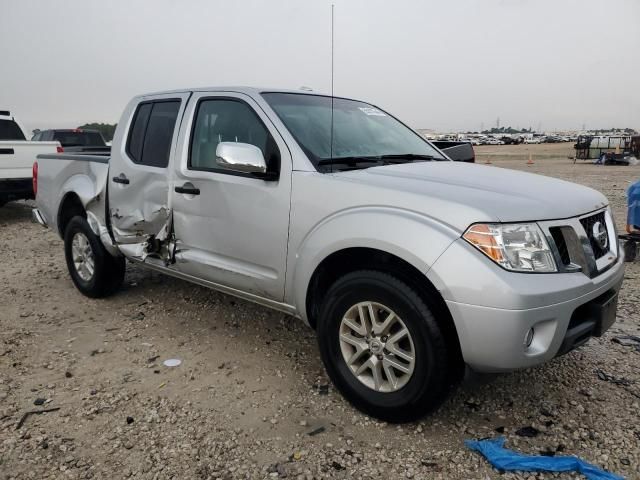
[[528, 339]]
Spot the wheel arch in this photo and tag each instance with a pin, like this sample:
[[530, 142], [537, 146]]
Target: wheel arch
[[70, 206], [79, 191], [352, 259]]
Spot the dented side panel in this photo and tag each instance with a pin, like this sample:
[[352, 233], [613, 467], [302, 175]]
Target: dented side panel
[[139, 212], [63, 175]]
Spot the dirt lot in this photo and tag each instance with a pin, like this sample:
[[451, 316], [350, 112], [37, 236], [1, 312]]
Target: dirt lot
[[251, 400]]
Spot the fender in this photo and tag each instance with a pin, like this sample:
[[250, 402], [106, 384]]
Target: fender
[[89, 191], [411, 236], [82, 186], [89, 186]]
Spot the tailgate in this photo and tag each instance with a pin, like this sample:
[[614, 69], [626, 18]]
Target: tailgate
[[16, 158]]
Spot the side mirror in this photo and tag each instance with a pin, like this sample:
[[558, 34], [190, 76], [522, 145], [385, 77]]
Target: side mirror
[[240, 157]]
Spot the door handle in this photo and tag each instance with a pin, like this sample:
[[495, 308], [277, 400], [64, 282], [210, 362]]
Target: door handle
[[122, 178], [188, 189]]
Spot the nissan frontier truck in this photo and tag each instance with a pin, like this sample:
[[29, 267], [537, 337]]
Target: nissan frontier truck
[[409, 266]]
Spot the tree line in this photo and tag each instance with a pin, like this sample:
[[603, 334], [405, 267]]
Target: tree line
[[106, 129]]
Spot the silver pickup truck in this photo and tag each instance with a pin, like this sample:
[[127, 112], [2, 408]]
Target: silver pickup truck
[[408, 265]]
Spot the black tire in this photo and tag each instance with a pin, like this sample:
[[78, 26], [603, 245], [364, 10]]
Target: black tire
[[108, 271], [427, 386], [630, 249]]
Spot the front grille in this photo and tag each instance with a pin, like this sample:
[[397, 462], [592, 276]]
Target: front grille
[[587, 224], [561, 244]]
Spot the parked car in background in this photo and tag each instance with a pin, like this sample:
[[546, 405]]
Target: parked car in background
[[75, 140], [511, 140], [16, 159], [407, 264]]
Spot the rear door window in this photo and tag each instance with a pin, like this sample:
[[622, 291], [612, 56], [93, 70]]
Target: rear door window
[[151, 132], [9, 130], [136, 133]]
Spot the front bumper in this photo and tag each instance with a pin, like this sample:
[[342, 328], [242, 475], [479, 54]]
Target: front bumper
[[493, 309]]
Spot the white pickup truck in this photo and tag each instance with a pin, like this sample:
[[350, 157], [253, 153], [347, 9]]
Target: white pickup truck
[[407, 264], [16, 159]]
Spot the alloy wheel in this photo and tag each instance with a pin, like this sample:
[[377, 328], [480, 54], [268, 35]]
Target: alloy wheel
[[83, 259], [377, 346]]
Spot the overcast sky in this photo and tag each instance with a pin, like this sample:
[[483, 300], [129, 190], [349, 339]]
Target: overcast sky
[[436, 64]]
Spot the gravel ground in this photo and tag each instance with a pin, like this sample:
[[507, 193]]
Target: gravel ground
[[251, 399]]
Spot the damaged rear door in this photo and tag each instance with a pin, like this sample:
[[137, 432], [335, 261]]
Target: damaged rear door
[[139, 172]]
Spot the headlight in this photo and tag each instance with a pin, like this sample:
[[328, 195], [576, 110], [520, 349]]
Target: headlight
[[521, 247]]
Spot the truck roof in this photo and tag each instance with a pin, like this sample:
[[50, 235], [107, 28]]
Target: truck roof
[[250, 91], [75, 130], [238, 89]]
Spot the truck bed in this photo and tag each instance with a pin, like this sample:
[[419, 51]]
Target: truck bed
[[84, 176], [16, 163]]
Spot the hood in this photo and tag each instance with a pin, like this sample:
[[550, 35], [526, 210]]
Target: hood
[[459, 194]]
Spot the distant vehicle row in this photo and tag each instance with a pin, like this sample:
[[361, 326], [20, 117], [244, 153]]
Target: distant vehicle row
[[518, 139]]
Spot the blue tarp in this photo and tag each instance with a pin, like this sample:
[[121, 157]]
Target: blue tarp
[[633, 202], [503, 459]]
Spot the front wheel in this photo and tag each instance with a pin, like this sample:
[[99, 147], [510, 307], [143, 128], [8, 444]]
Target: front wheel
[[382, 347], [94, 271]]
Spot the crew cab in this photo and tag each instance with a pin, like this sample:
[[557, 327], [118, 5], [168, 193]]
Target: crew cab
[[408, 265], [75, 140], [16, 159]]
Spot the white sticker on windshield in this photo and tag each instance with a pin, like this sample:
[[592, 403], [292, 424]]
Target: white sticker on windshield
[[372, 111]]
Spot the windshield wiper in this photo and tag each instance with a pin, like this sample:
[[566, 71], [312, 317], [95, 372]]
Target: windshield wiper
[[383, 159], [407, 156], [348, 160]]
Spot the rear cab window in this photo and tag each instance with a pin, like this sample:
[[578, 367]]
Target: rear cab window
[[151, 132], [73, 138], [9, 130]]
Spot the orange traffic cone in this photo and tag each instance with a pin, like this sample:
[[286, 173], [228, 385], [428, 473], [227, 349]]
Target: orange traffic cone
[[530, 161]]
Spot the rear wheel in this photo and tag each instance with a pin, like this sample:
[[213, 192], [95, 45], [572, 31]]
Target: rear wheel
[[382, 347], [94, 271]]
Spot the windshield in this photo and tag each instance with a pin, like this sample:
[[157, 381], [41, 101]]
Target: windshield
[[363, 135], [79, 139]]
